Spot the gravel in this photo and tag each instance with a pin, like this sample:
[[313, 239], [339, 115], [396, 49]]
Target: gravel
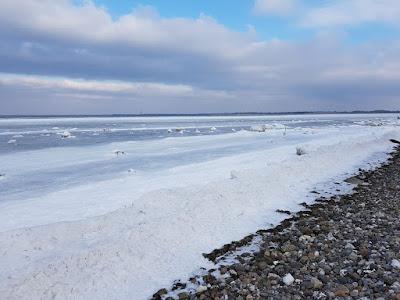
[[345, 247]]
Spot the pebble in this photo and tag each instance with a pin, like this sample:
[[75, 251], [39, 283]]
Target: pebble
[[201, 289], [288, 279], [342, 291], [316, 283], [395, 264], [341, 247]]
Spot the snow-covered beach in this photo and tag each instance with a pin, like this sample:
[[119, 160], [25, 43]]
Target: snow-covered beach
[[121, 217]]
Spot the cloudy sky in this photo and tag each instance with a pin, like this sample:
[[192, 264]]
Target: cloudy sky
[[196, 56]]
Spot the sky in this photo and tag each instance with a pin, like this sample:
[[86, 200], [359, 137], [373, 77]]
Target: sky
[[198, 56]]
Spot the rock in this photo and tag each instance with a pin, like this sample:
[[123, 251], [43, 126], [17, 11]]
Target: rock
[[160, 293], [300, 151], [354, 180], [364, 252], [288, 279], [316, 283], [396, 286], [201, 289], [288, 247], [262, 265], [233, 272], [395, 264], [183, 296], [342, 291], [273, 275], [330, 237], [306, 239], [354, 293], [119, 152]]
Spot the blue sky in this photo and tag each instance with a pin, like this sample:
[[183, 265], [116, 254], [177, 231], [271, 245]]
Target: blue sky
[[239, 14], [103, 56]]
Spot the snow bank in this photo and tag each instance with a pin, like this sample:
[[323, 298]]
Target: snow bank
[[160, 235], [267, 127]]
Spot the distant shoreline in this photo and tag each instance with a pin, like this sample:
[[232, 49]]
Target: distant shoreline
[[207, 114]]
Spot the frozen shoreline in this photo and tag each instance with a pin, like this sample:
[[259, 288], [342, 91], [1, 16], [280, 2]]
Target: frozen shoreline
[[135, 250], [338, 247]]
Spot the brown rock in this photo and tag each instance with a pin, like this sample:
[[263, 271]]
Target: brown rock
[[342, 291], [364, 252]]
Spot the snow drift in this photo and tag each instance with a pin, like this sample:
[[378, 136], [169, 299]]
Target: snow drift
[[111, 239]]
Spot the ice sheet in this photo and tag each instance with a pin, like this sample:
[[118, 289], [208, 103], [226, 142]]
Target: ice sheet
[[120, 227]]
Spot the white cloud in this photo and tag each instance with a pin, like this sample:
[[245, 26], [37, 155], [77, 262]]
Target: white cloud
[[95, 86], [89, 25], [275, 7], [353, 12], [178, 64]]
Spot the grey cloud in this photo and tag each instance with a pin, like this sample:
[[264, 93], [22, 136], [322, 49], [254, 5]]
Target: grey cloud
[[53, 41]]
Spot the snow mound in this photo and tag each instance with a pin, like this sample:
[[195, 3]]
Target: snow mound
[[160, 230], [267, 127], [66, 135]]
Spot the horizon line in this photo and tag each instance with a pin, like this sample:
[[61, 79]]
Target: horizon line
[[200, 114]]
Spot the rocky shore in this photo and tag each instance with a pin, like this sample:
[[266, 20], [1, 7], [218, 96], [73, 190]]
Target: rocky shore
[[345, 247]]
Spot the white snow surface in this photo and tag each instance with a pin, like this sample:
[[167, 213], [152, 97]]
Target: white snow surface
[[129, 234]]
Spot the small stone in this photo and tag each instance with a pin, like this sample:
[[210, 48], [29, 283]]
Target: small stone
[[262, 265], [306, 239], [249, 297], [354, 180], [396, 297], [288, 247], [342, 291], [316, 283], [161, 293], [395, 264], [183, 296], [364, 252], [288, 279], [354, 293], [201, 289], [273, 276], [330, 237], [396, 286]]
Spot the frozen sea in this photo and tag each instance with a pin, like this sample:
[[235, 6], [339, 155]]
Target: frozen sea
[[37, 157], [117, 207]]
